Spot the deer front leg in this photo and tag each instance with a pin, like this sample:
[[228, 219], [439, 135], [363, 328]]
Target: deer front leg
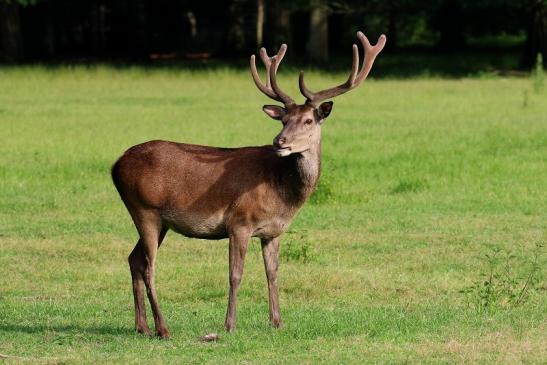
[[237, 250], [270, 253]]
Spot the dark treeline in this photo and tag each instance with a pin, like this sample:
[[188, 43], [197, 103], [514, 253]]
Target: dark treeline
[[138, 30]]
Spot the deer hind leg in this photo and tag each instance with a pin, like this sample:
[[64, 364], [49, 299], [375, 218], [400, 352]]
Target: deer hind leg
[[151, 234], [270, 254], [137, 265]]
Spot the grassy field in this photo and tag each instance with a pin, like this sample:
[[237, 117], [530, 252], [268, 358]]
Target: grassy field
[[425, 242]]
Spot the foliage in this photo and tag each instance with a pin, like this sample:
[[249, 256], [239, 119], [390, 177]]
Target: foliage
[[409, 185], [297, 248], [201, 30], [507, 282], [324, 192], [21, 2]]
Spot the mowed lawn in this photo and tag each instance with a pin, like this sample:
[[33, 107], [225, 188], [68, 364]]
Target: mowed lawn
[[425, 242]]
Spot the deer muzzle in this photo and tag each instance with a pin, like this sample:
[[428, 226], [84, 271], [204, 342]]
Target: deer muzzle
[[281, 147]]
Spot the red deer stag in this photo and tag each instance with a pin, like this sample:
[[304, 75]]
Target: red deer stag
[[236, 193]]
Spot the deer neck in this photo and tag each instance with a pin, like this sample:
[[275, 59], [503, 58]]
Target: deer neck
[[308, 166], [304, 172]]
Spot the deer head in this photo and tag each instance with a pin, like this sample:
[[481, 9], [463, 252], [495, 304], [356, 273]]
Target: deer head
[[302, 123]]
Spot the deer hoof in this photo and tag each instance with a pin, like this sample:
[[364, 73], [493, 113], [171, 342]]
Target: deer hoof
[[144, 330], [163, 334], [277, 323], [229, 327]]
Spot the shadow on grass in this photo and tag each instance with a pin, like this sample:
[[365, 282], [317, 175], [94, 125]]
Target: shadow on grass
[[301, 323], [395, 64], [69, 328]]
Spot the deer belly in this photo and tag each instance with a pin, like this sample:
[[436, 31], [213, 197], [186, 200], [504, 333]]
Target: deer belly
[[197, 225]]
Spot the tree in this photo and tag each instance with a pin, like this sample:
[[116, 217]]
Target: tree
[[449, 21], [259, 22], [11, 38], [536, 32], [318, 45], [279, 23]]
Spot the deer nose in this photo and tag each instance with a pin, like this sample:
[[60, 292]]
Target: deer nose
[[279, 141]]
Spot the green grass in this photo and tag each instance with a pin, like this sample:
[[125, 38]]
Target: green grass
[[421, 179]]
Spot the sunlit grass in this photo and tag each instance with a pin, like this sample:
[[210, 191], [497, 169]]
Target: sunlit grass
[[421, 179]]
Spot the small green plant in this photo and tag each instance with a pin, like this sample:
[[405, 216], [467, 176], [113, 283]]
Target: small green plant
[[506, 283], [323, 193], [525, 99], [297, 249], [539, 74], [406, 185]]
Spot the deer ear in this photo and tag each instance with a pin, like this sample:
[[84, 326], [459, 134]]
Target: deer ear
[[274, 111], [325, 109]]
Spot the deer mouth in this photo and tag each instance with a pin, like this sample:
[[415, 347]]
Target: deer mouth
[[282, 152]]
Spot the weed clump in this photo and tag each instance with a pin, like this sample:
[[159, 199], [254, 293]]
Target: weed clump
[[323, 193], [408, 186], [507, 283], [298, 249]]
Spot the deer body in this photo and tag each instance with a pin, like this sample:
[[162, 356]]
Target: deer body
[[235, 193], [204, 192]]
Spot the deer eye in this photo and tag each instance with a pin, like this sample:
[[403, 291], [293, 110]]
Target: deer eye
[[308, 121]]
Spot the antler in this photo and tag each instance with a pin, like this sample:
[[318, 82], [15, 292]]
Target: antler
[[354, 78], [271, 88]]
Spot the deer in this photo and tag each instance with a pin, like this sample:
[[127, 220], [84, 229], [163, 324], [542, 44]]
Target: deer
[[236, 193]]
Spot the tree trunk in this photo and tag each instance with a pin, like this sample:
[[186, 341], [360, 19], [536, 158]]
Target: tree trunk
[[393, 15], [235, 40], [96, 28], [139, 25], [49, 30], [449, 21], [284, 25], [536, 34], [318, 46], [259, 22], [10, 32], [279, 25]]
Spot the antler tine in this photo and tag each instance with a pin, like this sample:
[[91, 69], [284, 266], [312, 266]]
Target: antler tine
[[264, 88], [354, 64], [355, 78], [303, 89], [267, 63], [271, 89], [310, 96], [370, 54], [273, 79]]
